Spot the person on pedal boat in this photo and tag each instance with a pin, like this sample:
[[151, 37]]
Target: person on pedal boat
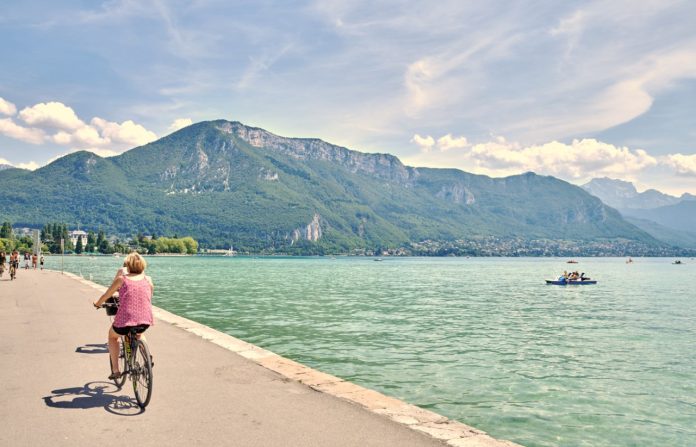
[[135, 304]]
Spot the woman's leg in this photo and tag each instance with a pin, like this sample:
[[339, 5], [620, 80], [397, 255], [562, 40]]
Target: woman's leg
[[113, 349]]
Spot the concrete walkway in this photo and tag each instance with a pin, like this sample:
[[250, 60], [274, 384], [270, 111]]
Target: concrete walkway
[[54, 366]]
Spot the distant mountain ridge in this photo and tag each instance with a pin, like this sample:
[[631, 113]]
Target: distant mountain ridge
[[227, 183], [622, 195], [668, 218]]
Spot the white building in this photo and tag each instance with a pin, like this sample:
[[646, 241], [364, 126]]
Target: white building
[[78, 234]]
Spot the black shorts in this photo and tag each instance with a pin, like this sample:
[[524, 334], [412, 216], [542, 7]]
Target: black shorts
[[124, 330]]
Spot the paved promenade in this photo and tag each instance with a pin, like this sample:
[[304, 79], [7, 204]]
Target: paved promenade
[[209, 388]]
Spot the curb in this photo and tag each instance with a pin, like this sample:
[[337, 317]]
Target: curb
[[454, 433]]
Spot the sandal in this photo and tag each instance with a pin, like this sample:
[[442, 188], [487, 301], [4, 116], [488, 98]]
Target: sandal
[[115, 375]]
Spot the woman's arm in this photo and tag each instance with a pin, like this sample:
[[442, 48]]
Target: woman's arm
[[119, 272], [118, 282]]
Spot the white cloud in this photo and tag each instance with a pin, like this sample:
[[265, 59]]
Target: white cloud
[[32, 165], [127, 133], [448, 142], [444, 143], [27, 134], [54, 122], [180, 123], [581, 159], [425, 143], [85, 136], [52, 115], [683, 164], [7, 108], [417, 79]]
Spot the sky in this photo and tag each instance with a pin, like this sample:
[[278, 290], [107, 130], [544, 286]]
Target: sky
[[573, 89]]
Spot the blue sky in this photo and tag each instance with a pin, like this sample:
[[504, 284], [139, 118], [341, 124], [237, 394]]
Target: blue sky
[[571, 89]]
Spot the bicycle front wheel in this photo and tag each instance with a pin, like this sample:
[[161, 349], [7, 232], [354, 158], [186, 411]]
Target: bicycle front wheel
[[141, 375], [121, 364]]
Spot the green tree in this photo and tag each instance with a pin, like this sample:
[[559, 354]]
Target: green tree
[[6, 230], [6, 245], [46, 233], [66, 237], [105, 247], [78, 246], [190, 244], [91, 241]]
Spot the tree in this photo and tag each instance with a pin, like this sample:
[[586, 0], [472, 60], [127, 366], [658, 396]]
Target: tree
[[66, 238], [6, 230], [191, 245], [78, 245], [91, 241], [6, 245], [46, 233], [104, 247]]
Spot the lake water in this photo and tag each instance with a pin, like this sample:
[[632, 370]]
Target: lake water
[[481, 340]]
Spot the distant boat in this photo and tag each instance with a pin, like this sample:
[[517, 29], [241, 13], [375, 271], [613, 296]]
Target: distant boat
[[377, 259], [230, 252], [571, 283], [572, 261], [629, 261], [677, 262]]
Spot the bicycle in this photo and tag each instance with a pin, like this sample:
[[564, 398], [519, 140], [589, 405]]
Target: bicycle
[[134, 360]]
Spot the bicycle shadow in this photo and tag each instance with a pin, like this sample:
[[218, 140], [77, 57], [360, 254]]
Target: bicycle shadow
[[94, 395], [93, 348]]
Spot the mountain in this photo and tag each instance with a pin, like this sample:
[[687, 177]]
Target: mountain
[[622, 195], [4, 166], [666, 234], [226, 183], [667, 218], [680, 216]]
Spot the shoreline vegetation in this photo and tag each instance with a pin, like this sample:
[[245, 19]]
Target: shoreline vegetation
[[56, 239], [98, 243]]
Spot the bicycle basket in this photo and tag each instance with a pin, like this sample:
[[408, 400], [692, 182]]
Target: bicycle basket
[[112, 307]]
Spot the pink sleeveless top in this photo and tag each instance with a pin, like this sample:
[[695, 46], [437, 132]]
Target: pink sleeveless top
[[135, 303]]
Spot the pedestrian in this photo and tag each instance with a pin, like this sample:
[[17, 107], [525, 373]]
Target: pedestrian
[[42, 261], [34, 260], [26, 260]]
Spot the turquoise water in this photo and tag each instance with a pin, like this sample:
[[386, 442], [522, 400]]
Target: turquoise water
[[481, 340]]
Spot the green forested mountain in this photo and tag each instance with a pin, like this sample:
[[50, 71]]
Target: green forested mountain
[[225, 183]]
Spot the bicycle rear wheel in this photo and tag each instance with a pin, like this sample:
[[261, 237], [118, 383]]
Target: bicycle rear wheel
[[121, 364], [141, 375]]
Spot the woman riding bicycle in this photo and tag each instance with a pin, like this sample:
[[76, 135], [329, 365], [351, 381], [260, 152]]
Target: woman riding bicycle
[[135, 304]]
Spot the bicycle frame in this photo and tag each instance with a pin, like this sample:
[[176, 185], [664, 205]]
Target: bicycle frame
[[129, 345]]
